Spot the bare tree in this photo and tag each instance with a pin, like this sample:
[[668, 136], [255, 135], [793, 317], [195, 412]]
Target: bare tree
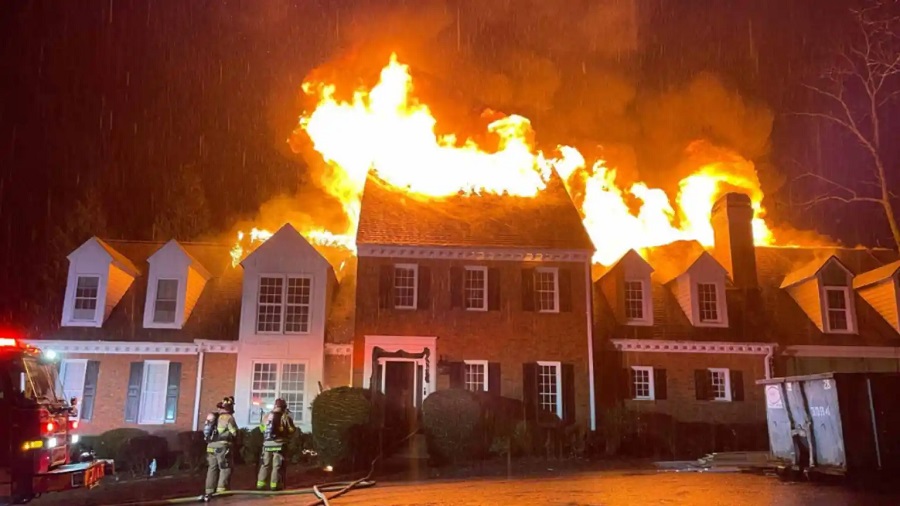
[[858, 89]]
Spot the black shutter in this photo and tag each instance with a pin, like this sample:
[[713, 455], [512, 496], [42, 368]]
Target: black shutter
[[386, 287], [565, 290], [133, 400], [424, 289], [457, 375], [456, 291], [568, 393], [530, 389], [172, 391], [86, 411], [527, 289], [626, 383], [737, 386], [493, 289], [494, 378], [701, 384], [660, 386]]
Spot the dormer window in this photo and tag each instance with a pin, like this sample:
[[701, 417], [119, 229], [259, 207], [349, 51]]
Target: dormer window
[[166, 301], [837, 307], [86, 292], [708, 302], [636, 302]]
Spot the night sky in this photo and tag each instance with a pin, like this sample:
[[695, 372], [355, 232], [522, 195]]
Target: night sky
[[114, 112]]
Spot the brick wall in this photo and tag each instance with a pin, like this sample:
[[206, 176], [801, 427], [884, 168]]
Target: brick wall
[[509, 335], [219, 372], [682, 403], [337, 371]]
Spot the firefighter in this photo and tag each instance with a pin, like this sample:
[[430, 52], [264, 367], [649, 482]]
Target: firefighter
[[276, 428], [220, 433]]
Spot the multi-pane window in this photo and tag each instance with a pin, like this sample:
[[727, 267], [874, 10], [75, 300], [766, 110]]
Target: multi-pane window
[[166, 300], [268, 311], [272, 380], [634, 300], [405, 286], [642, 380], [86, 298], [720, 384], [475, 287], [708, 302], [154, 387], [296, 316], [476, 375], [546, 289], [838, 309], [549, 395], [71, 375]]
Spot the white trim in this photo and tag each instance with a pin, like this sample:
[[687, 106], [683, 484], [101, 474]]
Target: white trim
[[309, 305], [650, 382], [483, 363], [63, 369], [417, 362], [848, 310], [141, 411], [153, 297], [473, 253], [135, 348], [720, 318], [660, 346], [199, 388], [257, 304], [415, 294], [213, 346], [559, 385], [555, 272], [303, 415], [727, 373], [646, 303], [411, 344], [589, 314], [99, 309], [341, 350], [484, 289], [813, 350]]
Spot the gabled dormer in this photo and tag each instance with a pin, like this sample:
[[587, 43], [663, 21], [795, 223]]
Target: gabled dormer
[[98, 278], [699, 288], [626, 287], [174, 283], [881, 289], [823, 288]]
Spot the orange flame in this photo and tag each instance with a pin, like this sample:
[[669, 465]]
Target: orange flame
[[386, 130]]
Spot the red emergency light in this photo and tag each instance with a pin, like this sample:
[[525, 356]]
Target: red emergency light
[[9, 342], [50, 428]]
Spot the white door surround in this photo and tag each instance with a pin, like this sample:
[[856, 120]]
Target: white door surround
[[409, 344]]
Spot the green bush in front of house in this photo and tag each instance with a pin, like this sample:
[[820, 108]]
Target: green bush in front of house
[[453, 425], [343, 430]]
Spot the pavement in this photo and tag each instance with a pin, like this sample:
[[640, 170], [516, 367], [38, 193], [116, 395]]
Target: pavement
[[602, 488]]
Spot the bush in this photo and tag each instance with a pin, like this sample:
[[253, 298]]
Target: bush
[[343, 429], [137, 453], [454, 425], [300, 448], [193, 450], [109, 445], [250, 442]]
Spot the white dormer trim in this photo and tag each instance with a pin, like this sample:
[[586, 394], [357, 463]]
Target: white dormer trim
[[849, 309], [114, 273], [646, 301], [808, 289], [705, 270], [173, 262]]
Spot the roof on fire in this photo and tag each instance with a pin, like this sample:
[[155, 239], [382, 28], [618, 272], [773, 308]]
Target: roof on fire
[[215, 316], [547, 221]]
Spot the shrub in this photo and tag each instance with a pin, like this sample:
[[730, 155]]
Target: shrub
[[343, 430], [109, 445], [250, 442], [137, 453], [300, 448], [453, 425], [192, 450]]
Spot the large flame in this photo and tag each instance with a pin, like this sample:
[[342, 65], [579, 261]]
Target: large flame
[[386, 130]]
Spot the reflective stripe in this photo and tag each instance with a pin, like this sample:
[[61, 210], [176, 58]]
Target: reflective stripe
[[272, 448]]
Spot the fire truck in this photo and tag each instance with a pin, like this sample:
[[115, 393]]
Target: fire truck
[[37, 429]]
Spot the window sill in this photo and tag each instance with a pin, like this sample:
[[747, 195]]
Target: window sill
[[639, 323], [548, 311], [476, 309]]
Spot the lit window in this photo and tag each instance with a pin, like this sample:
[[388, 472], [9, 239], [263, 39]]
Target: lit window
[[405, 286], [642, 378], [634, 300], [166, 300], [268, 310], [720, 384], [296, 314], [708, 301], [549, 398], [86, 298], [475, 285], [267, 386], [154, 389], [72, 375], [476, 375], [547, 290], [838, 309]]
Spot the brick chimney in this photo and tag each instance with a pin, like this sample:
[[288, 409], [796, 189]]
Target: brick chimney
[[732, 222]]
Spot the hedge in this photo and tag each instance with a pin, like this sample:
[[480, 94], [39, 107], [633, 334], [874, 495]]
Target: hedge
[[132, 449], [454, 425], [343, 427]]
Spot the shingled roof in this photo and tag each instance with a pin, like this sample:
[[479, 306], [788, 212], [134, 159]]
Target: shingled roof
[[216, 316], [547, 221]]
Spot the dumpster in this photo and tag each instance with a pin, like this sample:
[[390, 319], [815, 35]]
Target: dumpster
[[834, 423]]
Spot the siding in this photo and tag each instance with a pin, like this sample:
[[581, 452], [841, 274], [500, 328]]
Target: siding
[[195, 284], [118, 284], [681, 288], [807, 296], [883, 297]]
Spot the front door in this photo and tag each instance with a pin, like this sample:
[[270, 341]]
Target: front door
[[402, 397]]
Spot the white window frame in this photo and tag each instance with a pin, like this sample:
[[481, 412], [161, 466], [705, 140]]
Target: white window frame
[[645, 302], [718, 304], [282, 327], [559, 386], [415, 287], [650, 382], [848, 313], [63, 369], [482, 363], [537, 298], [298, 415], [97, 305], [727, 374], [484, 289], [141, 411], [156, 301]]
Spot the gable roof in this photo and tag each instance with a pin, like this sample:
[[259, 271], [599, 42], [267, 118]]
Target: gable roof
[[875, 275], [118, 259], [215, 316], [630, 257], [672, 260], [547, 221], [195, 264], [810, 270]]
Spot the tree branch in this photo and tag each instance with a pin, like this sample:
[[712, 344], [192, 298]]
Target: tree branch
[[825, 198]]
